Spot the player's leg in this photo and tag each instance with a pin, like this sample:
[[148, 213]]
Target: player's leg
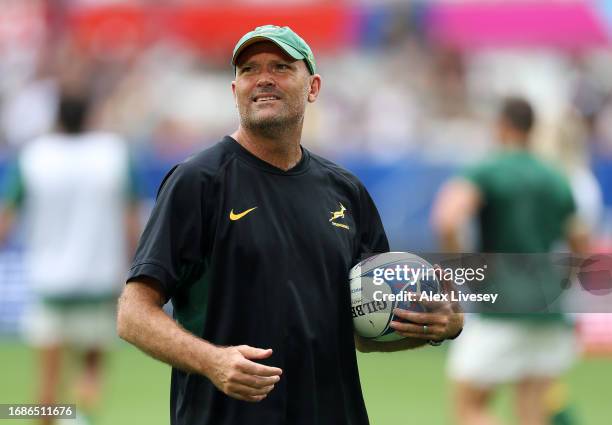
[[551, 351], [530, 400], [92, 330], [42, 329], [474, 366], [89, 383], [50, 359], [471, 404]]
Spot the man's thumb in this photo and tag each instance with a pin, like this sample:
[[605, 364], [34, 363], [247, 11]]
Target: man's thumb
[[253, 353]]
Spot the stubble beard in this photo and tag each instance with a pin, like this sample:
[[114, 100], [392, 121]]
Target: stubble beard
[[275, 127], [272, 127]]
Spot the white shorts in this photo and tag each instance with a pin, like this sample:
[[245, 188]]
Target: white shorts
[[82, 325], [497, 351]]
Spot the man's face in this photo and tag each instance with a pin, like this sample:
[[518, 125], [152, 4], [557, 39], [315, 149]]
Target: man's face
[[271, 89], [501, 130]]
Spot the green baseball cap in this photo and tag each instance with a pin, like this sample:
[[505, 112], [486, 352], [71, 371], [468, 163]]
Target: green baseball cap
[[283, 37]]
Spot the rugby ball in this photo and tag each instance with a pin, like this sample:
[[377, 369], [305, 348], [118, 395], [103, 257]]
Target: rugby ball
[[383, 282]]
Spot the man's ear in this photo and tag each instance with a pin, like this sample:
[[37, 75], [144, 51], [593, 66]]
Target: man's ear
[[234, 93], [315, 88]]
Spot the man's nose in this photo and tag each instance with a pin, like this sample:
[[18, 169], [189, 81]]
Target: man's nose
[[265, 80]]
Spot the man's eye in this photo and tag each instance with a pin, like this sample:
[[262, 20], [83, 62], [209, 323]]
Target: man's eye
[[282, 66], [246, 69]]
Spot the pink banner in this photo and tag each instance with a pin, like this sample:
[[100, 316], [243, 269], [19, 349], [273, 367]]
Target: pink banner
[[565, 25]]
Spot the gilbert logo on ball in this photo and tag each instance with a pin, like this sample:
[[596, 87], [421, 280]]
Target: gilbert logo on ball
[[384, 282]]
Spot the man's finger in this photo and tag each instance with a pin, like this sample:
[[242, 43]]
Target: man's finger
[[245, 390], [431, 305], [252, 368], [420, 318], [415, 329], [251, 399], [254, 353], [257, 381]]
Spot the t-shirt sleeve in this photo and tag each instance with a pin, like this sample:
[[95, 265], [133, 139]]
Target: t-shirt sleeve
[[13, 188], [173, 239], [479, 176], [372, 236]]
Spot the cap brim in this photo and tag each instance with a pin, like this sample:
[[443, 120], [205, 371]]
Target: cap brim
[[295, 54]]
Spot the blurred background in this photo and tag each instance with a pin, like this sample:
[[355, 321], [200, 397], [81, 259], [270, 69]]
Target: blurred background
[[410, 92]]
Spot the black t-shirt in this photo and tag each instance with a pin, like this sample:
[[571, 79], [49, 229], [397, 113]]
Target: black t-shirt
[[250, 254]]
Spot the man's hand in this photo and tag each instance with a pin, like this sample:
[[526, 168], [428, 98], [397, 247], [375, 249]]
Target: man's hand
[[442, 319], [233, 370], [440, 322], [236, 374]]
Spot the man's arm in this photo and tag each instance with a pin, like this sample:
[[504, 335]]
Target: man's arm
[[8, 216], [13, 192], [233, 370], [457, 202], [443, 320], [577, 235]]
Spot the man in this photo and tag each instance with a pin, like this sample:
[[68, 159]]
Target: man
[[253, 241], [522, 206], [75, 190]]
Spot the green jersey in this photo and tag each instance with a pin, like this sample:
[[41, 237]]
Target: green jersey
[[525, 208], [526, 203]]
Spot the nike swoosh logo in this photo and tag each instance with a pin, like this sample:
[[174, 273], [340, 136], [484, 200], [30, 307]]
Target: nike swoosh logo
[[238, 216]]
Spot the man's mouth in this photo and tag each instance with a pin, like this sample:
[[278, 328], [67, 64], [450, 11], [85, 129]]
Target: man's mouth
[[265, 98]]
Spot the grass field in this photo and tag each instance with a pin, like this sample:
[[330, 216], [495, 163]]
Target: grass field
[[399, 388]]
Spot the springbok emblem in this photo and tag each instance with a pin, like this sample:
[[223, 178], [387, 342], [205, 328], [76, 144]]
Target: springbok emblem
[[338, 214]]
